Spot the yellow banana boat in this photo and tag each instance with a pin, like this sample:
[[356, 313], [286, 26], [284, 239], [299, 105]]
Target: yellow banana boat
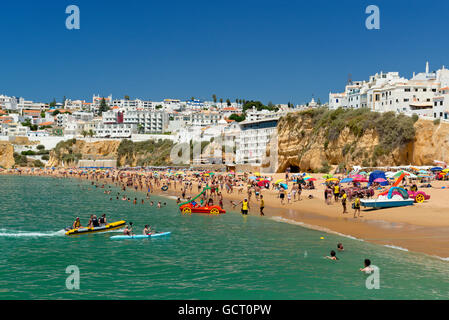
[[108, 227]]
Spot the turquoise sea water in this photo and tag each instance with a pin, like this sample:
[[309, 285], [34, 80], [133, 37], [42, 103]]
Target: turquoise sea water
[[206, 257]]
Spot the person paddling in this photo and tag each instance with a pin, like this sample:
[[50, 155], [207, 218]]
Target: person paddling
[[128, 230], [147, 230]]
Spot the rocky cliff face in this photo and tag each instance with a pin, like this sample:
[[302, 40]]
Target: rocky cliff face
[[6, 154], [302, 146], [68, 153], [127, 153]]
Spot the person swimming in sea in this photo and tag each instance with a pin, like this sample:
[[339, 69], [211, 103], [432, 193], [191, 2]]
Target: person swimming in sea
[[332, 256], [340, 247], [367, 268]]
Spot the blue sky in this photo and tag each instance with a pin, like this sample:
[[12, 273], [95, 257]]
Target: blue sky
[[277, 51]]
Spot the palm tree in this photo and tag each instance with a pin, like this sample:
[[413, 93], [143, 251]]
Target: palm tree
[[214, 97], [221, 101]]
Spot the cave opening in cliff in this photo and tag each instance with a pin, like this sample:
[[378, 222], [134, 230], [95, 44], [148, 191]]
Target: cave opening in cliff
[[293, 168]]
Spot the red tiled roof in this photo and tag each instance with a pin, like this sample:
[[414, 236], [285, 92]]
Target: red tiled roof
[[48, 123]]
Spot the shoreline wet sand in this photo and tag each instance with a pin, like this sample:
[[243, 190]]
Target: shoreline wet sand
[[417, 233]]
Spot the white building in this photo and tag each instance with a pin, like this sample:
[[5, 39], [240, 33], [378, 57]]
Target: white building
[[254, 115], [132, 104], [441, 104], [389, 92], [119, 130], [8, 103], [146, 121], [254, 139], [14, 129]]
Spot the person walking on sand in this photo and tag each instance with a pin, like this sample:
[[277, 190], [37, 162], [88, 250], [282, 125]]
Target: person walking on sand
[[356, 206], [336, 192], [344, 197], [282, 195], [262, 205]]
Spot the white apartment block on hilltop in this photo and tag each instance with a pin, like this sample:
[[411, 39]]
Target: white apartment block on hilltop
[[8, 103], [146, 121], [132, 104], [389, 92]]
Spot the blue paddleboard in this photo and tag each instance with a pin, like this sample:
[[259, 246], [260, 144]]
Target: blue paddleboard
[[141, 236]]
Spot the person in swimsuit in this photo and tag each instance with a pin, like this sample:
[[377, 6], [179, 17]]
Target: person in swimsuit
[[332, 256], [77, 223], [94, 222], [147, 230], [128, 230], [103, 220]]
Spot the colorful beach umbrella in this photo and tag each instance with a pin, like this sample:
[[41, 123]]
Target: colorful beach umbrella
[[279, 181], [284, 185], [379, 180], [347, 180]]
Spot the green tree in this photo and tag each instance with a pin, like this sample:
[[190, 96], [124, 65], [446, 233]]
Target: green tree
[[53, 103], [228, 102], [214, 98], [91, 133], [55, 113], [103, 106], [237, 117], [221, 101], [127, 97], [84, 133]]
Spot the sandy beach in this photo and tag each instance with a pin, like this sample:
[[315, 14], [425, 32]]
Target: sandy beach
[[420, 228]]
